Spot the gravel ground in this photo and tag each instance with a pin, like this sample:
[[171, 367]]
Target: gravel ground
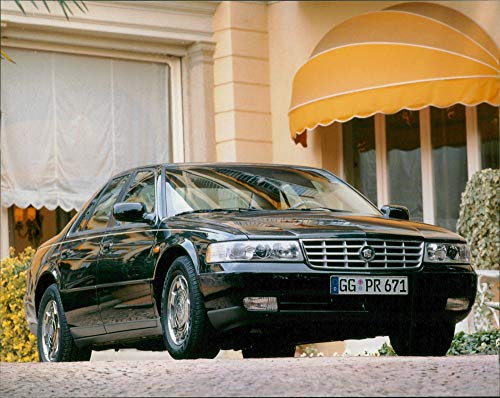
[[327, 376]]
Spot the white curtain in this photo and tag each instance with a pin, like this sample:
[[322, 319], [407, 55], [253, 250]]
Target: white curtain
[[405, 180], [69, 122], [368, 174], [450, 177]]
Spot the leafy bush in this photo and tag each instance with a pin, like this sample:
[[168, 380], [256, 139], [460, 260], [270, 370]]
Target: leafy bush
[[386, 350], [483, 342], [479, 219], [17, 344], [481, 312]]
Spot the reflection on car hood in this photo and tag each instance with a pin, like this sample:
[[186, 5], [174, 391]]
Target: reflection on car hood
[[302, 224]]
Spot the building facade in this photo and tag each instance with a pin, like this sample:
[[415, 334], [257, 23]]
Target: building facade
[[130, 83]]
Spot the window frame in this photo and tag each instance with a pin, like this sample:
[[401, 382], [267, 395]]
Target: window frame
[[474, 161], [83, 217], [112, 225]]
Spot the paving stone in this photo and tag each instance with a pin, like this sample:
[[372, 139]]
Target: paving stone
[[476, 375]]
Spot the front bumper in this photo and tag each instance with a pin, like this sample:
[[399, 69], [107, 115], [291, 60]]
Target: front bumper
[[304, 298]]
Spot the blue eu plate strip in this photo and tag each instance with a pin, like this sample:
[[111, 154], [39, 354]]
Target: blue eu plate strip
[[334, 285]]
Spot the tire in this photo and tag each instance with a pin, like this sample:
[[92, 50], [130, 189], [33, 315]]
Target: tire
[[61, 347], [269, 350], [430, 339], [187, 332]]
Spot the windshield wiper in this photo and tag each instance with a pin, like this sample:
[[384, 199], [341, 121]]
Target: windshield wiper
[[323, 208], [216, 210]]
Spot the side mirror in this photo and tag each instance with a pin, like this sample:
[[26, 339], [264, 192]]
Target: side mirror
[[130, 212], [397, 212]]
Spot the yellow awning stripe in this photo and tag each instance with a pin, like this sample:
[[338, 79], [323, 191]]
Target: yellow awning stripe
[[392, 26], [407, 57], [452, 18], [363, 66], [414, 96]]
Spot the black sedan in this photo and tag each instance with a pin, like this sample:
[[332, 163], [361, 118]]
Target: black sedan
[[194, 258]]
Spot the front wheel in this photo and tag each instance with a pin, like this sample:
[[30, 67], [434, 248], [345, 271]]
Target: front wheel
[[430, 339], [187, 331], [54, 340]]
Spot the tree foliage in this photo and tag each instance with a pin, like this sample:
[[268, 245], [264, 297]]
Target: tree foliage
[[65, 7], [62, 3]]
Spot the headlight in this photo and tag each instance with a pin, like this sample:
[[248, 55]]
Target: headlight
[[254, 250], [447, 253]]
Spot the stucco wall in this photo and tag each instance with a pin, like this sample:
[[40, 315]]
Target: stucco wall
[[295, 28], [241, 77]]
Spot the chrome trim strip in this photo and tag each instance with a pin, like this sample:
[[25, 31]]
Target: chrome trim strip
[[97, 236], [124, 283], [77, 289], [105, 285], [121, 233]]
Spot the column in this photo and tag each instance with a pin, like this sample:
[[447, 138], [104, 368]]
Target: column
[[241, 77], [198, 102]]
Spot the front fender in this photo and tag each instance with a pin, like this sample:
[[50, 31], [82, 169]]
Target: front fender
[[175, 243], [42, 270], [46, 262]]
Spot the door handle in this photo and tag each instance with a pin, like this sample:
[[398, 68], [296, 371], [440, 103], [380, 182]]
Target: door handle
[[106, 246]]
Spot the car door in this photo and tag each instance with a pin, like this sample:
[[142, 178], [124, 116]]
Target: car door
[[78, 260], [126, 264]]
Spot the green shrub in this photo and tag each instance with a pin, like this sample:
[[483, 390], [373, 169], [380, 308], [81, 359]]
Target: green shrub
[[483, 342], [386, 350], [479, 219], [17, 344], [482, 314]]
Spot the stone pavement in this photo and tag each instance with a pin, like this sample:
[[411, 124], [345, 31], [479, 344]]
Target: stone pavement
[[328, 376]]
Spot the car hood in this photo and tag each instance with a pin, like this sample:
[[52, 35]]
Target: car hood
[[310, 224]]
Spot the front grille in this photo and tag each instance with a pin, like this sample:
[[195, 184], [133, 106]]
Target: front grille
[[344, 253]]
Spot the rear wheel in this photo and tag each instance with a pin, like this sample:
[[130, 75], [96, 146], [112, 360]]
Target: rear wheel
[[429, 339], [54, 340], [269, 350], [187, 331]]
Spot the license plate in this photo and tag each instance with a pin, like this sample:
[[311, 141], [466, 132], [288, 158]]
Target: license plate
[[372, 285]]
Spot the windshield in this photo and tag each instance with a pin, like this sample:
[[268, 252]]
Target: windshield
[[259, 188]]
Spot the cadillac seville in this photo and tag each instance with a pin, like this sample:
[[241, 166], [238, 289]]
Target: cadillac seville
[[195, 258]]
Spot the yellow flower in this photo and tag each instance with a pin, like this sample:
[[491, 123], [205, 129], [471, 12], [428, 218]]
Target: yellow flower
[[17, 344]]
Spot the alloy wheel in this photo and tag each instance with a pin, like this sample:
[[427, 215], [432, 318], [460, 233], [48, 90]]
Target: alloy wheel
[[51, 328], [178, 306]]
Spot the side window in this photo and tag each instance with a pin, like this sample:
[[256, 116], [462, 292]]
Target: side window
[[81, 220], [102, 211], [142, 190], [85, 216]]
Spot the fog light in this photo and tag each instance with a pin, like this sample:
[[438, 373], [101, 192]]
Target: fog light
[[457, 304], [261, 303]]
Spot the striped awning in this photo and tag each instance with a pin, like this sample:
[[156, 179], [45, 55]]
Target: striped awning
[[408, 56]]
